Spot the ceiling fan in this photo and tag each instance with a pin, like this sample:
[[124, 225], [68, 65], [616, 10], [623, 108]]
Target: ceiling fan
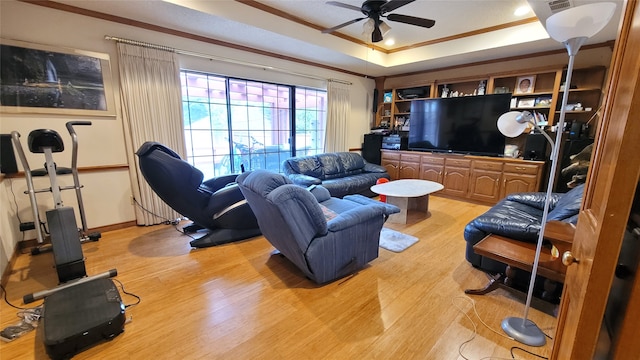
[[376, 9]]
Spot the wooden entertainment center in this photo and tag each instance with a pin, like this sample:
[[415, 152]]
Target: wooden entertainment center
[[544, 96], [479, 178], [482, 178]]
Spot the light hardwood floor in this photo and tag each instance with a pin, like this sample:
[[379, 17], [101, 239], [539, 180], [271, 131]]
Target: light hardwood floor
[[240, 301]]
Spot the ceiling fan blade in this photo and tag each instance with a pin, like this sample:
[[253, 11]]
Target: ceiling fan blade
[[343, 5], [394, 4], [326, 31], [411, 20]]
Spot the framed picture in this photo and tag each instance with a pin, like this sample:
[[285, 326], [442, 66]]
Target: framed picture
[[42, 79], [526, 103], [525, 84]]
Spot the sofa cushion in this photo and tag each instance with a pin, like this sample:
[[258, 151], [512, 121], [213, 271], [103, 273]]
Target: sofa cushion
[[306, 165], [352, 163], [331, 166], [568, 205]]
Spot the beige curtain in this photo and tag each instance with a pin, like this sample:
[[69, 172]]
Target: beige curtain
[[338, 114], [151, 111]]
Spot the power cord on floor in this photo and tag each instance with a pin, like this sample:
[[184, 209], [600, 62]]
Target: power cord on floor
[[174, 222], [4, 292], [29, 318], [475, 331], [527, 351], [128, 293], [166, 221]]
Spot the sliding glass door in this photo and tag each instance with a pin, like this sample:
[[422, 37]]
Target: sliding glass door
[[232, 123]]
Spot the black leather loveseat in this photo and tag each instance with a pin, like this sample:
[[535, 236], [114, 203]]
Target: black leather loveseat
[[518, 217], [342, 173]]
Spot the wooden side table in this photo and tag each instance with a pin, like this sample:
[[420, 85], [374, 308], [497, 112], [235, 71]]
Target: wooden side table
[[520, 255]]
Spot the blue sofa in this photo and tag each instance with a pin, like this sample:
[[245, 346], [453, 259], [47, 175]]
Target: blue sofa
[[325, 237], [342, 173]]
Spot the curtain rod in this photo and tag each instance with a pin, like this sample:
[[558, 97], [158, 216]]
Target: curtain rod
[[217, 58]]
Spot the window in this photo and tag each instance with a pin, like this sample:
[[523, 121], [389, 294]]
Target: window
[[231, 122]]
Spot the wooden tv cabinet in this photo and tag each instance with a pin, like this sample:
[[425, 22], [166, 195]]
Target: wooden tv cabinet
[[478, 178]]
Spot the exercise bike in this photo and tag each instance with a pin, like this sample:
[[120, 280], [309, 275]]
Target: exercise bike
[[66, 238]]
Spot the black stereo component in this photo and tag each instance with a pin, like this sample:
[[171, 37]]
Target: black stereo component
[[395, 142]]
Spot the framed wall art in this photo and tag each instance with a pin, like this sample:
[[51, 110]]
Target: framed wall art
[[41, 79], [525, 84]]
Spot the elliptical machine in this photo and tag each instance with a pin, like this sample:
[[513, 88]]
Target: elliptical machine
[[66, 238]]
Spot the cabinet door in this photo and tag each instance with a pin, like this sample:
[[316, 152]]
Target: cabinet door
[[485, 185], [409, 170], [409, 166], [431, 172], [391, 162], [455, 181], [513, 183], [392, 167]]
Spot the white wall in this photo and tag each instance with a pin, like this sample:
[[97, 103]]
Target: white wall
[[106, 194]]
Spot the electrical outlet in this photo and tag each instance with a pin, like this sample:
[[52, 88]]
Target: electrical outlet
[[131, 199]]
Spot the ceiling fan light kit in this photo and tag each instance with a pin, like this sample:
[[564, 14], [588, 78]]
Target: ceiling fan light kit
[[374, 10]]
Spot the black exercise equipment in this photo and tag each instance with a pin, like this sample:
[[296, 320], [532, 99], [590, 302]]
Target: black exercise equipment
[[216, 204], [79, 314], [64, 234], [82, 311]]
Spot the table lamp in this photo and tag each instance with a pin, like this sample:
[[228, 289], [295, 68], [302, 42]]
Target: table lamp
[[572, 27]]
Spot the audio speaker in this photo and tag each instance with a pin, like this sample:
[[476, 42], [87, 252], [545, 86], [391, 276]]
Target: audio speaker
[[576, 130], [535, 147], [7, 156], [375, 101]]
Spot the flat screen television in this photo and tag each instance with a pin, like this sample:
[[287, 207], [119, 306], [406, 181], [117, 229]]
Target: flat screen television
[[465, 125]]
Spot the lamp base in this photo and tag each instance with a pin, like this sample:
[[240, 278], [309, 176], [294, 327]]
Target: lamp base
[[524, 331]]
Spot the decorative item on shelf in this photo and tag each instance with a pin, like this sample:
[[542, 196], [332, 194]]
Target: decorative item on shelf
[[445, 91], [501, 90], [387, 97], [481, 87], [543, 101], [572, 27], [511, 151], [574, 107], [525, 84], [405, 125]]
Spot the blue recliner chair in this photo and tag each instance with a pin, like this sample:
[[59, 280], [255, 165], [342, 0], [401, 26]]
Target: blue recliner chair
[[325, 237], [216, 204]]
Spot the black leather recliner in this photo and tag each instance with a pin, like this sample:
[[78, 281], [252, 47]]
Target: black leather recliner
[[216, 204], [518, 217]]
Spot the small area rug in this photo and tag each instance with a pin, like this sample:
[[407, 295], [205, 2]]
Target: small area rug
[[395, 241]]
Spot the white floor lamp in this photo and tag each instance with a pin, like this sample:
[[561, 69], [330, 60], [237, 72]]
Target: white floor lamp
[[572, 27]]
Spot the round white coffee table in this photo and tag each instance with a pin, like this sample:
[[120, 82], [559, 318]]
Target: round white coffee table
[[410, 195]]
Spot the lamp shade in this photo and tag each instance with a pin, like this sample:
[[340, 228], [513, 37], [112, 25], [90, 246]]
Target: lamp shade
[[367, 27], [580, 21], [384, 28], [512, 123]]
